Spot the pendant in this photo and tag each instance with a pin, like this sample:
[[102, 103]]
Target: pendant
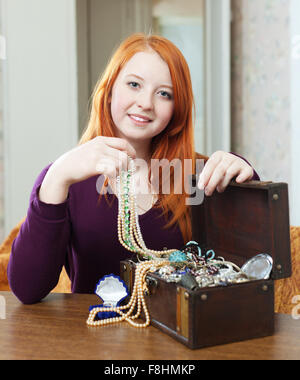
[[258, 267]]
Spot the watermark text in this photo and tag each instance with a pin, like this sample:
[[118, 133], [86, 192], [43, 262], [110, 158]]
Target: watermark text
[[167, 177], [296, 309]]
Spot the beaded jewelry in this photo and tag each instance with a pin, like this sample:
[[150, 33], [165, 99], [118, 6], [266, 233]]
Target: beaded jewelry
[[130, 236], [129, 232]]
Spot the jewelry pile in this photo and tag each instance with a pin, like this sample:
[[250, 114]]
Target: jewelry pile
[[187, 266], [203, 271]]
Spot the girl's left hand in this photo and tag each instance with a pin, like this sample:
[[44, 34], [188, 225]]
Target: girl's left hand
[[219, 171]]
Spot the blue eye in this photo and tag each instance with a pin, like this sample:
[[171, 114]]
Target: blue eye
[[133, 84], [165, 94]]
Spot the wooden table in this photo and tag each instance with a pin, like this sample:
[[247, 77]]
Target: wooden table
[[56, 329]]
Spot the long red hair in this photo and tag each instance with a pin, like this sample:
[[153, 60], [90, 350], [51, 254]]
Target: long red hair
[[177, 139]]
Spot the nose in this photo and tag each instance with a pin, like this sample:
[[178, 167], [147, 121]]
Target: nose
[[145, 100]]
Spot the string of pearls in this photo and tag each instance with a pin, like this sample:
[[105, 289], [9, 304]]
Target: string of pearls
[[137, 300], [130, 236], [129, 232]]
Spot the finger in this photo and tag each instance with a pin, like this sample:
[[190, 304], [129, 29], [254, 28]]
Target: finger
[[107, 166], [120, 144], [120, 158], [245, 175], [216, 178], [207, 171], [233, 170]]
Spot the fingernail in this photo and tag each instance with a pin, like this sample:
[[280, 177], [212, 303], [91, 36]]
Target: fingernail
[[207, 192], [201, 185]]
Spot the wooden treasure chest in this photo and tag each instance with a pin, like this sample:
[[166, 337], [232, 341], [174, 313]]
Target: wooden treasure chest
[[245, 221]]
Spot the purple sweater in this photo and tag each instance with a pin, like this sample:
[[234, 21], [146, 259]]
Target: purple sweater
[[78, 234]]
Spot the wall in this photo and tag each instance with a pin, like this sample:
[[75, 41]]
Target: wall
[[40, 94], [265, 90], [261, 85]]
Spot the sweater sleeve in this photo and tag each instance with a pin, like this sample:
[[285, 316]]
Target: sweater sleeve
[[39, 251], [255, 176]]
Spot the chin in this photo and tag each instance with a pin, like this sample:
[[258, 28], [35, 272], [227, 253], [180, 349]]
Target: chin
[[134, 133]]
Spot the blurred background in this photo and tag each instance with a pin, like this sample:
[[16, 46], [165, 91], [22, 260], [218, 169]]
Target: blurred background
[[244, 57]]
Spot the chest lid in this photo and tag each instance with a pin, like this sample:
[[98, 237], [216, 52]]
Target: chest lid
[[244, 221]]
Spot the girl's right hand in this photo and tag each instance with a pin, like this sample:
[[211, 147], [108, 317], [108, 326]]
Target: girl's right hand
[[101, 155]]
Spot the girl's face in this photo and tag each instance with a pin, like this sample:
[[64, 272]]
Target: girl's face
[[142, 98]]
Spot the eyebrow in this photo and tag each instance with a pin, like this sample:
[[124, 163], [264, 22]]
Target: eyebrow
[[137, 76]]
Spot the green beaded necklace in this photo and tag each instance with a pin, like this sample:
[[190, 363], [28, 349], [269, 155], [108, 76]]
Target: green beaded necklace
[[129, 232]]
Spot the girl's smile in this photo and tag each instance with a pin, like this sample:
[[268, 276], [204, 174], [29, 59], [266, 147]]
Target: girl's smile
[[140, 119]]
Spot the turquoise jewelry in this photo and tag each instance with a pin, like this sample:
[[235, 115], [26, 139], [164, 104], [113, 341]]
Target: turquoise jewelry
[[178, 257]]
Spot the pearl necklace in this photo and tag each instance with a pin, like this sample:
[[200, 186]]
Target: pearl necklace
[[137, 299], [130, 236], [129, 232]]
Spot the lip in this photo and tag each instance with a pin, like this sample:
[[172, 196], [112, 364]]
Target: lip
[[144, 119]]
